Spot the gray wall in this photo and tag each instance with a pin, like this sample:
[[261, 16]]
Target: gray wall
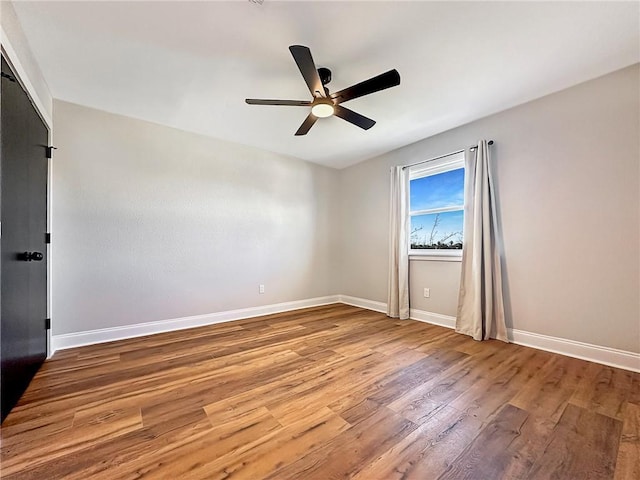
[[568, 169], [153, 223]]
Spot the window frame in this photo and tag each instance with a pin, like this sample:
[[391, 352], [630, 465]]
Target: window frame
[[450, 162]]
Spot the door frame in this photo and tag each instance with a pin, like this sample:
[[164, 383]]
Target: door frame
[[10, 55]]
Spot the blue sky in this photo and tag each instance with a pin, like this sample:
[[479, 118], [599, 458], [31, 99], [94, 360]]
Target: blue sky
[[441, 190]]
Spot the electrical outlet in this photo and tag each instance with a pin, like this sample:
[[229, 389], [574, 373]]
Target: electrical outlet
[[427, 293], [261, 290]]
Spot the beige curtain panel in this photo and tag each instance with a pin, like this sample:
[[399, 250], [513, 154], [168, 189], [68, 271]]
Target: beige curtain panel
[[480, 302], [398, 284]]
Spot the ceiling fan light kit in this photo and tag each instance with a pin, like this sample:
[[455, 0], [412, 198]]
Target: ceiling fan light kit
[[325, 104], [323, 108]]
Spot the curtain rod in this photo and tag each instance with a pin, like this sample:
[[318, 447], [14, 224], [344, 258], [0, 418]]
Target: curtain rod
[[474, 147], [490, 142]]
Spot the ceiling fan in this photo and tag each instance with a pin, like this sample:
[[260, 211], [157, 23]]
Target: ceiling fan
[[325, 104]]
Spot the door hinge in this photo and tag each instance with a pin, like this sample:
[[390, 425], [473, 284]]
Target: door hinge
[[11, 78], [47, 237], [50, 151], [47, 324]]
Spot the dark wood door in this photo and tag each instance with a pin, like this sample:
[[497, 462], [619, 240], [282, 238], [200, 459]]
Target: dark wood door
[[23, 261]]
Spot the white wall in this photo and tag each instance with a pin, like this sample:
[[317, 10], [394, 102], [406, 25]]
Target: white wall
[[568, 184], [152, 223]]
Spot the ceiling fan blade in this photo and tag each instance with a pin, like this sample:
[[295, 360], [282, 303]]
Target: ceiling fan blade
[[304, 60], [353, 117], [307, 124], [381, 82], [291, 103]]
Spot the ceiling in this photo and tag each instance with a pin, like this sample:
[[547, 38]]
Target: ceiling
[[190, 65]]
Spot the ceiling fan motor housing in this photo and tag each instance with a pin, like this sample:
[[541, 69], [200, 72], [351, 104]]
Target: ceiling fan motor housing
[[325, 75]]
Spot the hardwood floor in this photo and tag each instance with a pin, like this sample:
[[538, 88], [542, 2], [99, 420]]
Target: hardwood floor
[[322, 393]]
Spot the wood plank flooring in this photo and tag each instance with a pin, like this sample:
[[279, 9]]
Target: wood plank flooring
[[331, 392]]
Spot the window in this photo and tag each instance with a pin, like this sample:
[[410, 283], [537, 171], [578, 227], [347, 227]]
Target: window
[[436, 207]]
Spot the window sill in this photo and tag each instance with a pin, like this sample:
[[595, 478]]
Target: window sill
[[437, 257]]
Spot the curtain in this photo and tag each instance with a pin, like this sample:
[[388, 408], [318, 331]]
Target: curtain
[[398, 286], [480, 303]]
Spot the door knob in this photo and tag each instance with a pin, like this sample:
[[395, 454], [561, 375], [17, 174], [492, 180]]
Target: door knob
[[32, 256]]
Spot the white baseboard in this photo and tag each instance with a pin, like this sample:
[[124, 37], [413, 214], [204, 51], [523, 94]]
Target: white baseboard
[[571, 348], [71, 340], [585, 351], [363, 303], [433, 318]]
